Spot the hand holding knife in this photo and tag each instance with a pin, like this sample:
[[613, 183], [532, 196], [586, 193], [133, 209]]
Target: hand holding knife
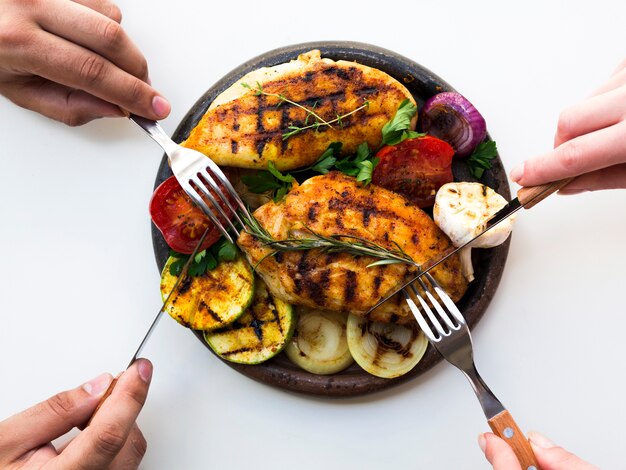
[[155, 322]]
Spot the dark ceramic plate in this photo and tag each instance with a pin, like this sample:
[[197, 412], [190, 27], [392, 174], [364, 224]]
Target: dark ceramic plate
[[488, 264]]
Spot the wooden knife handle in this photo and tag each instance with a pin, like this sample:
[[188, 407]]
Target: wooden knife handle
[[530, 195], [505, 427], [104, 397]]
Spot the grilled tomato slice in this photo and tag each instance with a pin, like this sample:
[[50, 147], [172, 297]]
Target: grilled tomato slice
[[415, 168], [180, 221]]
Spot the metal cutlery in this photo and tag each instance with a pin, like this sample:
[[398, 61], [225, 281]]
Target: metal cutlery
[[527, 197], [447, 331]]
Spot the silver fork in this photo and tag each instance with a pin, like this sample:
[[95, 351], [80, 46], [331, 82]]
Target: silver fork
[[197, 174], [453, 341]]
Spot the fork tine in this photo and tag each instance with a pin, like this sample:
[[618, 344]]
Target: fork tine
[[429, 312], [418, 316], [191, 192], [219, 174], [445, 298], [440, 310], [216, 188], [218, 207]]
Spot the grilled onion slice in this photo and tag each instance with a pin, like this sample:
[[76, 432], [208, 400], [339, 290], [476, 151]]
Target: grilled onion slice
[[385, 350], [319, 344]]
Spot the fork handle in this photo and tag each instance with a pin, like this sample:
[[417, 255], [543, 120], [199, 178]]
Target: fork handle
[[503, 425]]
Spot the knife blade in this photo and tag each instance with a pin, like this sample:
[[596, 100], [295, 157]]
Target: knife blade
[[155, 322], [527, 197]]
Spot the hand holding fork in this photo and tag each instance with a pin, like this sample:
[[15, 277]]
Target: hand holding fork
[[451, 338]]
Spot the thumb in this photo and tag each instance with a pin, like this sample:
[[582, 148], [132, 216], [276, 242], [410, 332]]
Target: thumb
[[498, 453], [52, 418], [551, 457]]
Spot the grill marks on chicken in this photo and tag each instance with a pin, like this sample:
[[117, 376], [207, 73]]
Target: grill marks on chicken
[[336, 204], [245, 130]]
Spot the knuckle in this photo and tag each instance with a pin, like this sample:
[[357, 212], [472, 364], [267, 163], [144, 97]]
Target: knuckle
[[142, 69], [15, 36], [136, 92], [61, 405], [570, 155], [114, 12], [75, 119], [112, 34], [565, 125], [110, 440], [139, 445], [91, 69], [138, 395]]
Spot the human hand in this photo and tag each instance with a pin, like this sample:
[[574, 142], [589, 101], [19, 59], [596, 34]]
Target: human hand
[[112, 440], [73, 62], [549, 456], [590, 141]]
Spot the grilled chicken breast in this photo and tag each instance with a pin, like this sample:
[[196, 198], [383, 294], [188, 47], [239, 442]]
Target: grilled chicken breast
[[335, 204], [243, 129]]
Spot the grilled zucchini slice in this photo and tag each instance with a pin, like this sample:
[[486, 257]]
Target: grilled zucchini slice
[[213, 299], [385, 350], [259, 334], [319, 344]]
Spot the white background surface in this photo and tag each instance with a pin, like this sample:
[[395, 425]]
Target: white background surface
[[79, 284]]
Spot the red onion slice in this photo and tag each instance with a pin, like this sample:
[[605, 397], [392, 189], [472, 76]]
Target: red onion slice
[[450, 117]]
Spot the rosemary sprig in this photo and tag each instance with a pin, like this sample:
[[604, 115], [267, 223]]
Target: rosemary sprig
[[310, 113], [339, 243]]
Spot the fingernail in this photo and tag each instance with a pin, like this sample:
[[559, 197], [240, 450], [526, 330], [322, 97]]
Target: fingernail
[[160, 106], [96, 387], [482, 442], [144, 368], [540, 440], [517, 173]]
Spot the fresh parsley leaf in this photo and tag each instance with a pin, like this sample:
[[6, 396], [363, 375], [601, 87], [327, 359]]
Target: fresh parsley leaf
[[205, 260], [327, 160], [362, 152], [200, 256], [481, 159], [226, 251], [271, 166], [366, 169], [260, 182], [281, 193], [347, 166], [269, 180], [177, 266], [396, 130], [206, 263]]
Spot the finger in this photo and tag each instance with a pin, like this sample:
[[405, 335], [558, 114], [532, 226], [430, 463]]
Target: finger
[[591, 115], [617, 79], [104, 438], [132, 453], [499, 453], [551, 457], [584, 154], [52, 418], [96, 32], [70, 106], [613, 177], [76, 67], [104, 7]]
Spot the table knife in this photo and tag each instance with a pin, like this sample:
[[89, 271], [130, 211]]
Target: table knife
[[527, 197], [155, 322]]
